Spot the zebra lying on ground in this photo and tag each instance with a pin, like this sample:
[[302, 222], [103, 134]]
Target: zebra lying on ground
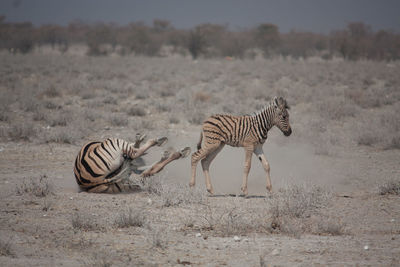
[[249, 132], [106, 167]]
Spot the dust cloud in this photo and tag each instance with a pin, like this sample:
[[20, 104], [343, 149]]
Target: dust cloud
[[290, 163]]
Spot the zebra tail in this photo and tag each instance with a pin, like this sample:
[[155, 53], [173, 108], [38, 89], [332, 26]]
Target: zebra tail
[[199, 143]]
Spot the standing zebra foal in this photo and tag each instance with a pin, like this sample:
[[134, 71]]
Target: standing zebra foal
[[106, 167], [249, 132]]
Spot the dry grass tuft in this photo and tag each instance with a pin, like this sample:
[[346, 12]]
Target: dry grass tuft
[[196, 118], [5, 247], [118, 120], [62, 136], [59, 119], [4, 114], [51, 92], [291, 207], [51, 105], [22, 132], [39, 187], [100, 259], [173, 194], [202, 97], [390, 187], [158, 238], [298, 201], [173, 120], [329, 226], [336, 109], [83, 222], [131, 217], [137, 111]]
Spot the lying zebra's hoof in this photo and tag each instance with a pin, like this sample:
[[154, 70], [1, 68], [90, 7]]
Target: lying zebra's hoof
[[185, 152], [165, 155], [161, 141], [140, 137]]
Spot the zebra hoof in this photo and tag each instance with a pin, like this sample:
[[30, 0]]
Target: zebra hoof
[[161, 141], [245, 191], [165, 155], [140, 137], [185, 152]]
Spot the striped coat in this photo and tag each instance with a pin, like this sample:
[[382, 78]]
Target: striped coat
[[249, 132]]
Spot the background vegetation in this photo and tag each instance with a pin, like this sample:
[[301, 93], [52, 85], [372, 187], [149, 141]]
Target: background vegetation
[[356, 41]]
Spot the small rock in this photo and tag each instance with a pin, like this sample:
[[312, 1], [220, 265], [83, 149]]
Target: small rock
[[198, 235], [366, 247], [149, 201], [275, 252], [236, 238], [392, 220], [71, 198]]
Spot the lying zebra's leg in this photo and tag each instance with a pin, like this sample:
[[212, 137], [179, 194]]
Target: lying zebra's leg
[[103, 188], [166, 159], [115, 188], [260, 155], [139, 139], [141, 169], [150, 143]]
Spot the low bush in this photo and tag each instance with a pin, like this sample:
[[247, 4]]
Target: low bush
[[131, 217], [39, 187], [390, 187]]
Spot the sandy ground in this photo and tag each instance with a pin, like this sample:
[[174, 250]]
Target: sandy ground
[[355, 227], [41, 237]]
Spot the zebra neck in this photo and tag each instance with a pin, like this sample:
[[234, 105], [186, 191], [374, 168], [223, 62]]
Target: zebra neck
[[265, 119]]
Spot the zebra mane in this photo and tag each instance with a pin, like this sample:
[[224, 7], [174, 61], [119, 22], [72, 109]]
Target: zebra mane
[[258, 112]]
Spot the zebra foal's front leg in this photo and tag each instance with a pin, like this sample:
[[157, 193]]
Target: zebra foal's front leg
[[247, 166], [260, 155]]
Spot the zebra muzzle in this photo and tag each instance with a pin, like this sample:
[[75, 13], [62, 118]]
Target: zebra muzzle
[[288, 132]]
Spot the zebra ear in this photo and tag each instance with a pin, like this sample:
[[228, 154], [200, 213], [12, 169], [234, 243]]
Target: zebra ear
[[275, 101]]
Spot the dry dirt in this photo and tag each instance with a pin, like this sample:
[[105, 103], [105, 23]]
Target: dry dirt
[[71, 228]]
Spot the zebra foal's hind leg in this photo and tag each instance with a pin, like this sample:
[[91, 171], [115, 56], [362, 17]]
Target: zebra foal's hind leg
[[205, 164], [206, 154]]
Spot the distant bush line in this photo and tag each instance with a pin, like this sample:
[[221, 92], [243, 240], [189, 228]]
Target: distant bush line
[[357, 41]]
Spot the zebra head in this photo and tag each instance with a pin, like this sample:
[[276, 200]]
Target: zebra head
[[281, 119]]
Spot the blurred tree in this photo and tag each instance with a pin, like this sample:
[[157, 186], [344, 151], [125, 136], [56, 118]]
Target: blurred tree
[[160, 25], [196, 42], [267, 38], [99, 36], [53, 35]]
